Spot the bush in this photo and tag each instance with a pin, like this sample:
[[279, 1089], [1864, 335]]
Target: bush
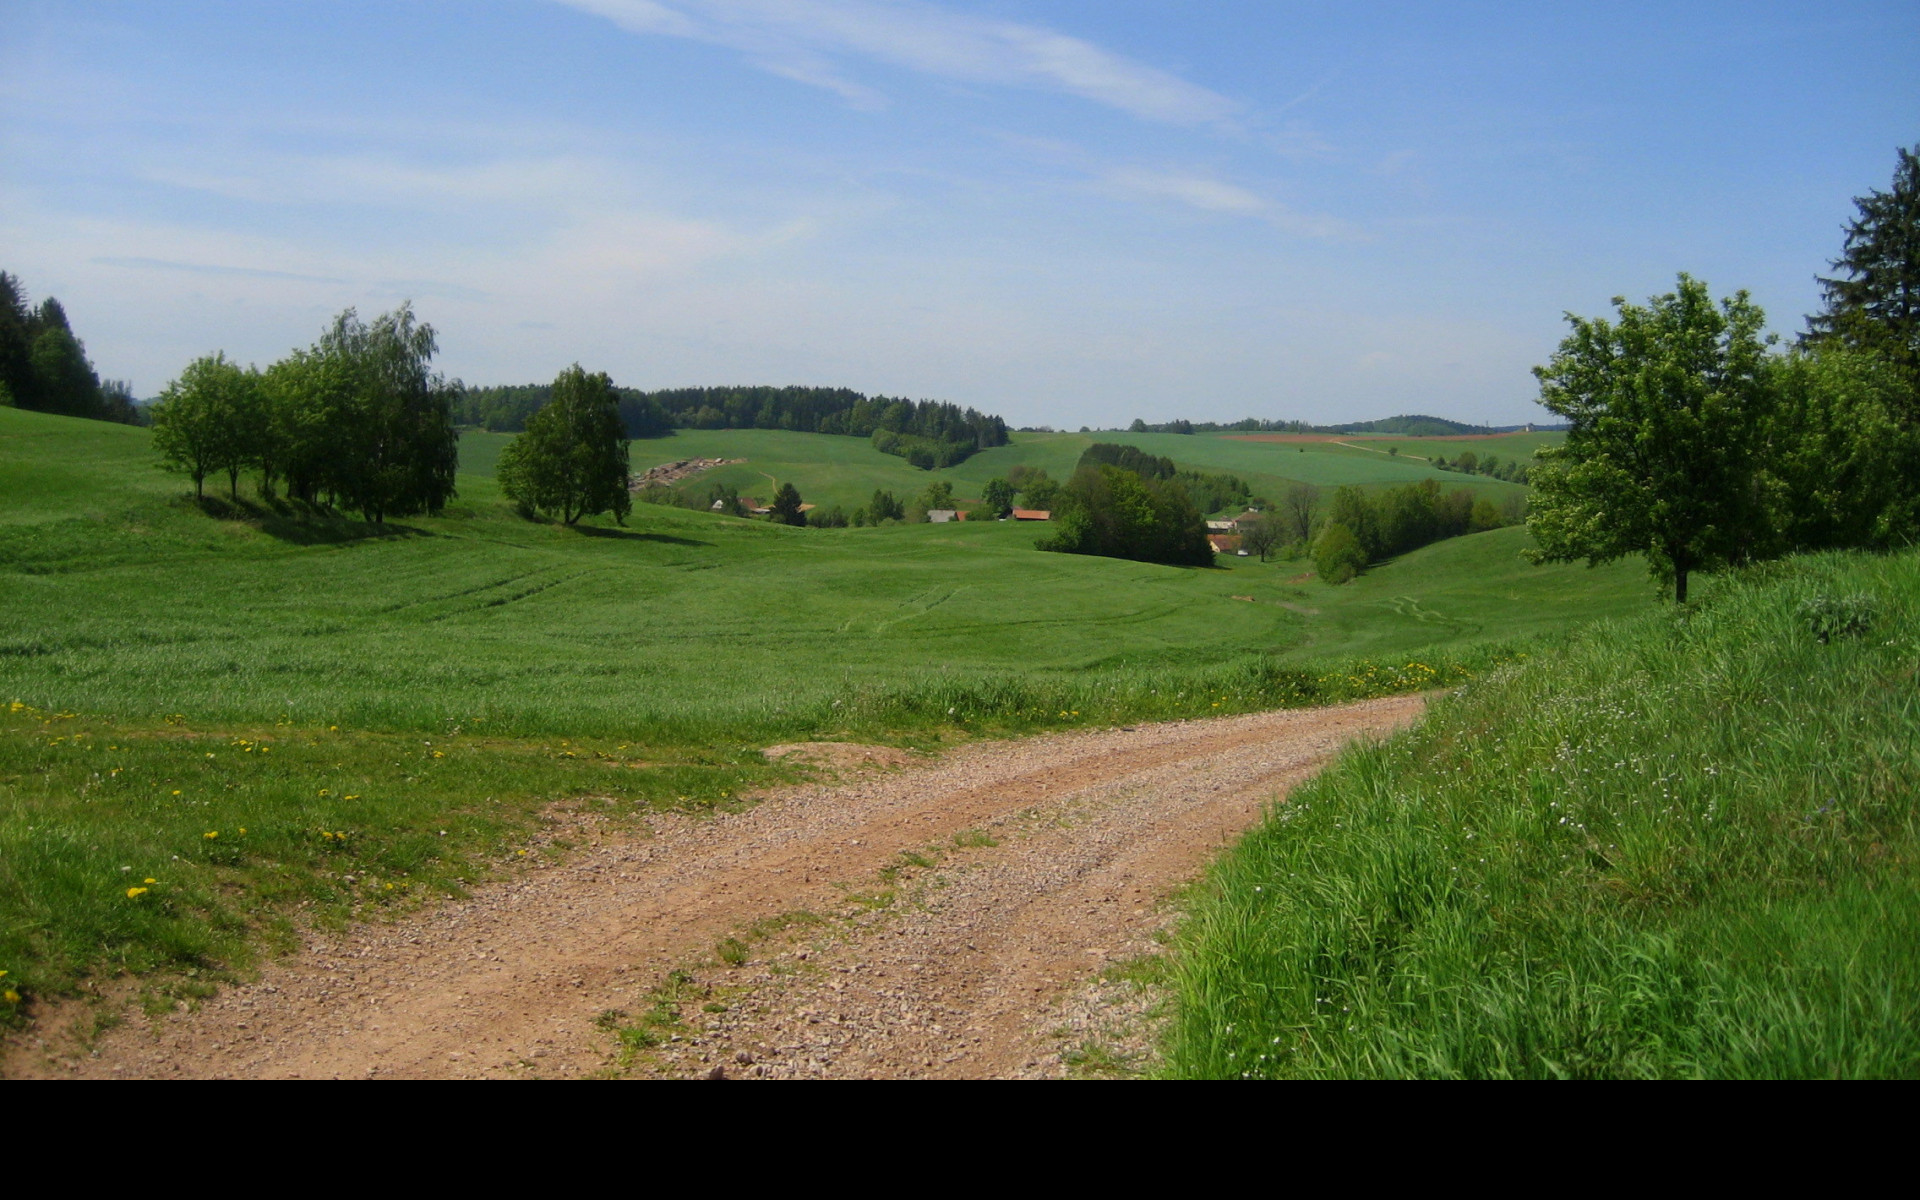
[[1337, 554]]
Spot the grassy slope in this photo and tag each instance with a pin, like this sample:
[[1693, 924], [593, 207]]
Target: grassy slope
[[179, 675], [1673, 847], [845, 471], [685, 625]]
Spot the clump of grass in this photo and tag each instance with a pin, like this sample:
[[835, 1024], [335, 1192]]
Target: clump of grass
[[1686, 845], [177, 850]]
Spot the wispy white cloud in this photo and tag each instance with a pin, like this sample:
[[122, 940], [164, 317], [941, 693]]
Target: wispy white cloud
[[1208, 194], [807, 40]]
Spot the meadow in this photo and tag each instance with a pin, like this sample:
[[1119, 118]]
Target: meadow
[[281, 717], [1679, 844], [846, 471]]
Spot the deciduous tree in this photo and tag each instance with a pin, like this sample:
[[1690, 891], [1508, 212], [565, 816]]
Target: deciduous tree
[[196, 423], [1665, 405], [572, 459]]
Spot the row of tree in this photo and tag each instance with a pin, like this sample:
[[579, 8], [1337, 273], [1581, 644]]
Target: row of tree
[[928, 433], [44, 367], [1209, 492], [508, 409], [358, 421], [1359, 528], [1118, 513], [1697, 443], [1469, 463]]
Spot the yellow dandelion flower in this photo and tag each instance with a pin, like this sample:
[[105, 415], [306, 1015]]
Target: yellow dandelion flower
[[211, 834], [176, 791], [354, 796], [325, 792], [148, 879], [243, 831], [136, 893], [10, 996]]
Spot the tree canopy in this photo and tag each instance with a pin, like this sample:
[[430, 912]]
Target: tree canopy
[[928, 433], [572, 459], [359, 420], [44, 366], [1873, 304], [1666, 404], [1116, 513]]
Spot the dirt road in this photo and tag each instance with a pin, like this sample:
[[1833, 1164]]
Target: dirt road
[[950, 917]]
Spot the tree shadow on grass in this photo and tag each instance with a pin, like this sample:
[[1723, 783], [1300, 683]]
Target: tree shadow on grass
[[299, 523], [632, 535]]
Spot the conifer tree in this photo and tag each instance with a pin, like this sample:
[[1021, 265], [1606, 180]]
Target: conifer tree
[[1874, 305]]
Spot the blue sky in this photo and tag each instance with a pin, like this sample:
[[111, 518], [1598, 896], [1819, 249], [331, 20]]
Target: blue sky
[[1067, 213]]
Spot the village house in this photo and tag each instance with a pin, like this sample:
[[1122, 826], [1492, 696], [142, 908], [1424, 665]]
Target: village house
[[940, 516], [1032, 514]]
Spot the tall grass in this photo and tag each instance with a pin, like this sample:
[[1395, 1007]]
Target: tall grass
[[1682, 845]]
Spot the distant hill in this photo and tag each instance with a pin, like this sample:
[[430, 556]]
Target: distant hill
[[1409, 425]]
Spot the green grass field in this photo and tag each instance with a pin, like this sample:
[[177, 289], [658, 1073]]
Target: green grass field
[[845, 471], [346, 694], [1678, 846]]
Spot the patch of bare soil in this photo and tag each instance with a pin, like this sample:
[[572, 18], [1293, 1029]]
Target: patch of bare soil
[[668, 474], [991, 913], [840, 756]]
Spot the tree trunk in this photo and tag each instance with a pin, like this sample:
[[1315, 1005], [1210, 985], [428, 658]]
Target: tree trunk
[[1679, 585], [233, 483]]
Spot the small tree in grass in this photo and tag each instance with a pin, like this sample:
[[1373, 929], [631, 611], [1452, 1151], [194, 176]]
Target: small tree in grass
[[199, 424], [572, 459], [1337, 554], [1259, 535]]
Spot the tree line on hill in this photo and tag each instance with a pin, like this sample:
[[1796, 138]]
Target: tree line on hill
[[1469, 463], [44, 366], [358, 421], [1360, 528], [1695, 442], [927, 433], [1209, 491]]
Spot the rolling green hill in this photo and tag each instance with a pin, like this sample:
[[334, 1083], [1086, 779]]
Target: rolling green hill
[[210, 718], [845, 471], [116, 596]]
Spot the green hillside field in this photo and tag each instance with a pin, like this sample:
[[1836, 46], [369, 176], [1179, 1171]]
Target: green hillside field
[[265, 711], [1679, 844], [845, 471]]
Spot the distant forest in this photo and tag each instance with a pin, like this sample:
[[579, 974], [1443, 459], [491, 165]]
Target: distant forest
[[43, 366], [927, 433]]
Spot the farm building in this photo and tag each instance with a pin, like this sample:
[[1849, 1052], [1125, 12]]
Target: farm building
[[1221, 526], [1225, 543], [1032, 514], [940, 516]]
